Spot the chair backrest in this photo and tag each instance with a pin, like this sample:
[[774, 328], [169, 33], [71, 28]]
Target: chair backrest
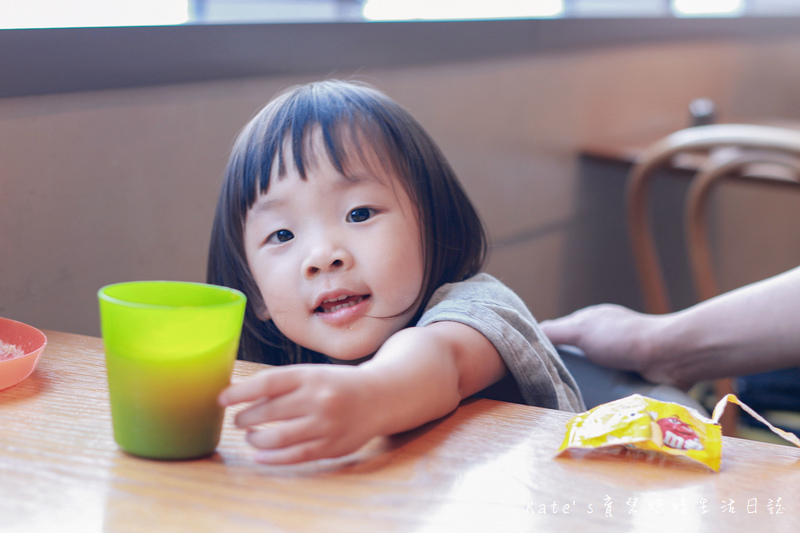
[[772, 144], [758, 165], [763, 154]]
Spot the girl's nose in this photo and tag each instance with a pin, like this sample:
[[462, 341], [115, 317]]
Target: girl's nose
[[326, 258]]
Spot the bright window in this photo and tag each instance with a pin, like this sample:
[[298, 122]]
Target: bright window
[[90, 13], [708, 7], [460, 9]]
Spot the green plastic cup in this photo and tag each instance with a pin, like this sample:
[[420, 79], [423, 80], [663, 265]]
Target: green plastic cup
[[170, 348]]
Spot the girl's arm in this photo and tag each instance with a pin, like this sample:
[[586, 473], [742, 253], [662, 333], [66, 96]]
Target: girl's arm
[[318, 411], [425, 372], [748, 330]]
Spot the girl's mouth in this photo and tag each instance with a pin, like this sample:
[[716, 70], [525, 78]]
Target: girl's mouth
[[342, 302]]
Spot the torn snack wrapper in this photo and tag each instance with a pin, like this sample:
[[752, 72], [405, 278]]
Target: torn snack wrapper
[[656, 427], [720, 407]]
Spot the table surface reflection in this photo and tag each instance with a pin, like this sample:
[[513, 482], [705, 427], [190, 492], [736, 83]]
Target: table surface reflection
[[489, 466]]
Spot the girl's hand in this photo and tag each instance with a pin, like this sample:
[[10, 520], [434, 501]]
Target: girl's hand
[[320, 411], [310, 411]]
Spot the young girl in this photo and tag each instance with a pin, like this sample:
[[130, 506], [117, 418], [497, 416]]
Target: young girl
[[349, 233]]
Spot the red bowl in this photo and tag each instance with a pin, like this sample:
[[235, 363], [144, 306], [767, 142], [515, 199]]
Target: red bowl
[[30, 340]]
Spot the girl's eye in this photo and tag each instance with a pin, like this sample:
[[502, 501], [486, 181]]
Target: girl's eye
[[359, 215], [282, 235]]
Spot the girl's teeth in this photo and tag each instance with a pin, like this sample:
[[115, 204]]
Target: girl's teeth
[[340, 306], [345, 304]]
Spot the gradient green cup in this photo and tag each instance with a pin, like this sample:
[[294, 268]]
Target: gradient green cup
[[170, 348]]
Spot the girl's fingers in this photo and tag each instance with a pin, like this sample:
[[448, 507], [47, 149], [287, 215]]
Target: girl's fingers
[[284, 435], [274, 409], [265, 384], [300, 413], [299, 453]]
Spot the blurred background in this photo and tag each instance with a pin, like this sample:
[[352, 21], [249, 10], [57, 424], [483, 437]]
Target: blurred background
[[115, 127]]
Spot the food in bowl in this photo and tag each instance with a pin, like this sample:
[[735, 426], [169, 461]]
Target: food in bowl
[[10, 351], [21, 346]]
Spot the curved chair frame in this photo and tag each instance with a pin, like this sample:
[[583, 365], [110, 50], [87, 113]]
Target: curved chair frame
[[696, 139], [718, 167]]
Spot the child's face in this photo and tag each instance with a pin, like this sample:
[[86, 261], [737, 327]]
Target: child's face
[[338, 260]]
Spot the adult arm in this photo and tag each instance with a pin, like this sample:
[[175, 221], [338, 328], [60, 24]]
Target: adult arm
[[744, 331]]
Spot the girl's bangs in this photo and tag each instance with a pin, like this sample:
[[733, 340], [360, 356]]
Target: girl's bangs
[[350, 142]]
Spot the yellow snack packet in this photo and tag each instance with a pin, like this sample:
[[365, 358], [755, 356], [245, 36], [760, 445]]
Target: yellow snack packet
[[642, 423], [649, 425]]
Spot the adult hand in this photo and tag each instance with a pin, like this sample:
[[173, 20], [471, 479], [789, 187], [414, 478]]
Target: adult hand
[[611, 336], [744, 331]]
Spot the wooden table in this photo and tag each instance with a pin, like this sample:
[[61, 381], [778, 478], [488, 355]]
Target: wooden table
[[489, 466]]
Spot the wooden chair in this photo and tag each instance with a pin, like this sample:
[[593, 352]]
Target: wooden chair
[[762, 154]]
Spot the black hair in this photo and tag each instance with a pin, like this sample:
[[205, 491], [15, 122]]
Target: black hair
[[346, 114]]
